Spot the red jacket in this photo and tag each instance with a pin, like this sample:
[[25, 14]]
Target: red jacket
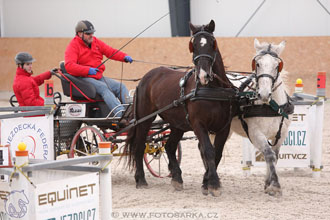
[[79, 57], [26, 87]]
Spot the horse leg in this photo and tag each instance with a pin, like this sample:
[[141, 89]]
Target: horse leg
[[141, 135], [173, 166], [208, 156], [269, 188], [272, 185], [205, 179], [219, 141]]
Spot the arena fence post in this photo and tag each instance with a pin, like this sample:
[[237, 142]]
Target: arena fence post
[[105, 182], [317, 149]]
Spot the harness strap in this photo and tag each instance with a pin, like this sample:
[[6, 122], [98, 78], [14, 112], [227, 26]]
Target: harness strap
[[245, 126], [182, 83], [278, 135], [246, 83], [215, 94], [276, 110], [135, 122]]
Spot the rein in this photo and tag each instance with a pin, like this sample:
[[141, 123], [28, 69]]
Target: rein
[[164, 64]]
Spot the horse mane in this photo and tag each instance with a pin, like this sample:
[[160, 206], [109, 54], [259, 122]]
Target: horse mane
[[285, 79], [220, 70]]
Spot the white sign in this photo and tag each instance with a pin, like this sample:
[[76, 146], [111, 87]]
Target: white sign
[[72, 198], [295, 151], [75, 110], [36, 132]]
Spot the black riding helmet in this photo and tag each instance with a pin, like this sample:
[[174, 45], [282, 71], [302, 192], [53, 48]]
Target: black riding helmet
[[85, 26], [23, 57]]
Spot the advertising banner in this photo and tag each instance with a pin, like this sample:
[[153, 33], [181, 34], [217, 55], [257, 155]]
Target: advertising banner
[[71, 198], [295, 151], [36, 132]]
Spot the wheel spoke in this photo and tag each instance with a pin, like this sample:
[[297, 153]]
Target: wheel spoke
[[84, 153], [165, 158], [151, 160], [159, 171]]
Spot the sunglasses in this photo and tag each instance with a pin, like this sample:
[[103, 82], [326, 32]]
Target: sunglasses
[[89, 33]]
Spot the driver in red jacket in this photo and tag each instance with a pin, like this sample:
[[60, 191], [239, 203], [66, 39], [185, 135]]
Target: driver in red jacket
[[26, 86], [83, 58]]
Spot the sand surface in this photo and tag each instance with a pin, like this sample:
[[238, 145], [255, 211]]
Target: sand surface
[[241, 197]]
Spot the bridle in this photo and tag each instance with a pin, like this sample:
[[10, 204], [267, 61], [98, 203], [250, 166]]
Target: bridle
[[255, 67], [195, 58]]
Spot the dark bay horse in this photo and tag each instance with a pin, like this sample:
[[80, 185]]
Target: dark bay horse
[[160, 87]]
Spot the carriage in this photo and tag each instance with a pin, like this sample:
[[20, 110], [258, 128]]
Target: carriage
[[84, 121]]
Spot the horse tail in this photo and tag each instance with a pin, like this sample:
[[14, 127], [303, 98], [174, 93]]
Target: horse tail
[[130, 145]]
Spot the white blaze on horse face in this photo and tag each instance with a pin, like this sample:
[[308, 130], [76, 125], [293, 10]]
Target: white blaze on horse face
[[203, 77], [203, 41], [267, 64]]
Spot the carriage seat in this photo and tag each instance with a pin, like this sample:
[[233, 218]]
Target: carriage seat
[[84, 87]]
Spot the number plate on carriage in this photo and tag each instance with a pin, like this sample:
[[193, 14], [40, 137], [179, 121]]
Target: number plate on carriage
[[75, 110]]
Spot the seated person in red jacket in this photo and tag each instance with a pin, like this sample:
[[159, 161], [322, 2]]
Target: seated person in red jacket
[[83, 58], [25, 85]]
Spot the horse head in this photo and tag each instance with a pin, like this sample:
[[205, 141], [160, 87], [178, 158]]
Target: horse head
[[203, 45], [267, 66]]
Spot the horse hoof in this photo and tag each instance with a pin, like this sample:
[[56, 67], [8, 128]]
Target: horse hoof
[[215, 192], [205, 191], [142, 185], [177, 186], [273, 191]]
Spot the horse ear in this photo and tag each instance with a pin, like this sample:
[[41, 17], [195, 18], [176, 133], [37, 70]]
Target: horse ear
[[211, 26], [280, 48], [192, 28], [257, 45]]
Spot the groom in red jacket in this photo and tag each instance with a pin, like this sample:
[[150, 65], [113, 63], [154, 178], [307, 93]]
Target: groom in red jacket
[[26, 86]]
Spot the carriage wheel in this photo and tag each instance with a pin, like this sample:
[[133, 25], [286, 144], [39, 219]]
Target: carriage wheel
[[85, 142], [157, 161]]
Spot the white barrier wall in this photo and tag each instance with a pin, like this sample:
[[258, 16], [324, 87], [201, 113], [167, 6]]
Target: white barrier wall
[[72, 192], [36, 132], [303, 144]]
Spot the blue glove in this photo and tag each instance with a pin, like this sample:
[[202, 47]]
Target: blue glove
[[128, 59], [93, 71]]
